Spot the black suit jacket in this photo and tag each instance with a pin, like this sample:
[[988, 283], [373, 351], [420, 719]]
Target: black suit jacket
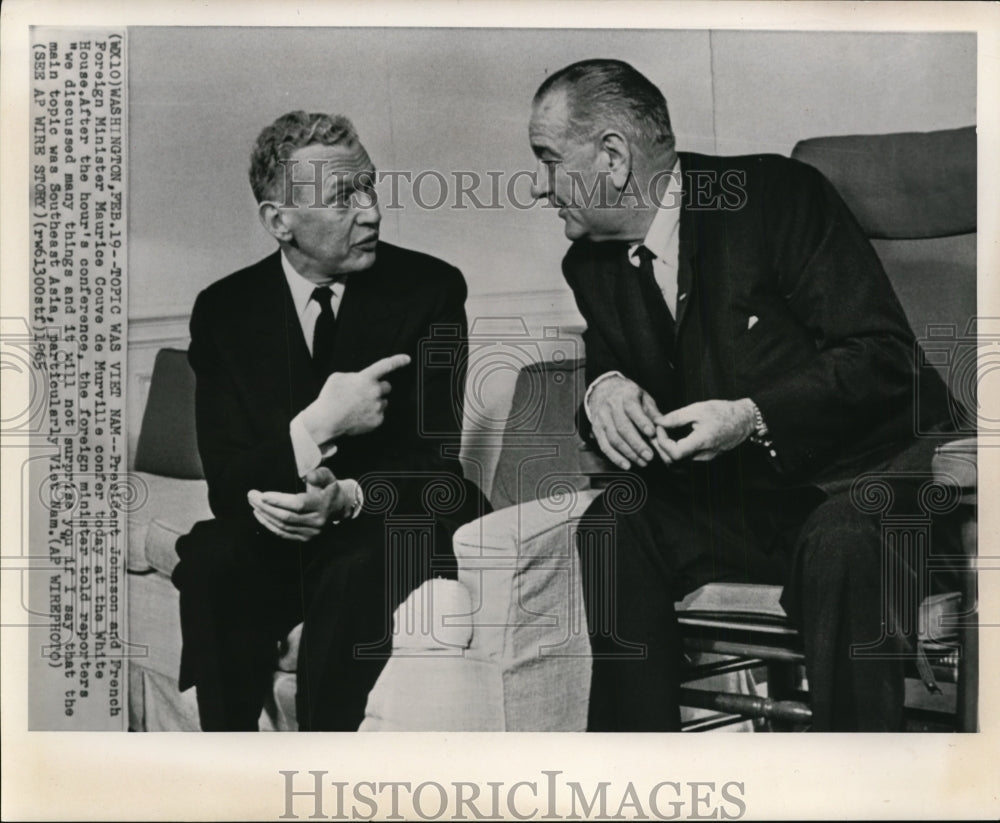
[[829, 359], [254, 374]]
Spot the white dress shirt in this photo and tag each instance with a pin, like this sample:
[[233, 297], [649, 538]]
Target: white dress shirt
[[306, 308], [308, 453], [663, 240]]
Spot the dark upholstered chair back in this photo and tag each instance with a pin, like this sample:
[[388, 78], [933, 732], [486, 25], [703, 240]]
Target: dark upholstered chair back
[[167, 443], [541, 449], [914, 194]]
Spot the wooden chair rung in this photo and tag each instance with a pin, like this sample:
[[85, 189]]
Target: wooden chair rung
[[747, 705]]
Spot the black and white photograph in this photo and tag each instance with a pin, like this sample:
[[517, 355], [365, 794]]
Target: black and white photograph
[[623, 372]]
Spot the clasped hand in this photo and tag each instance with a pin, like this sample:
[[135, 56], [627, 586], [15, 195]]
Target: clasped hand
[[302, 516], [628, 425]]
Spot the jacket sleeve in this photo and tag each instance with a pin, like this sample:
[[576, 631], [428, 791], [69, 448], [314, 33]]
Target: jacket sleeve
[[417, 453], [832, 281], [433, 433], [235, 457], [599, 357]]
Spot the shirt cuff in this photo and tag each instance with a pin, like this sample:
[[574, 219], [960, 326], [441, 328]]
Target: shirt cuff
[[308, 455], [594, 385]]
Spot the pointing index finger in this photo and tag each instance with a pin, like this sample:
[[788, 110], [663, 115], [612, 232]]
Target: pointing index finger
[[380, 368]]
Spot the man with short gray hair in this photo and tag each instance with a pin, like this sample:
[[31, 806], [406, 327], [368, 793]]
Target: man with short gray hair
[[317, 422]]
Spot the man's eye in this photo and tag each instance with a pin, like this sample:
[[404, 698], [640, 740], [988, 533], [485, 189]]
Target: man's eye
[[362, 198]]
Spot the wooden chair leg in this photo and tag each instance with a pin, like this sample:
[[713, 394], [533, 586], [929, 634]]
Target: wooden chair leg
[[789, 713], [782, 684]]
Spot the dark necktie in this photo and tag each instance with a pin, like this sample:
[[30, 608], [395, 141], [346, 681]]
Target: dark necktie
[[326, 326], [648, 327], [652, 292]]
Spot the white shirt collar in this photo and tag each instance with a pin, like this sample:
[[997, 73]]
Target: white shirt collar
[[665, 221], [302, 288]]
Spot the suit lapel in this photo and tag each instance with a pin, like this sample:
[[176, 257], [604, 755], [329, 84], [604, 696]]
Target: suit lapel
[[644, 320], [283, 364], [596, 277], [370, 319], [685, 264]]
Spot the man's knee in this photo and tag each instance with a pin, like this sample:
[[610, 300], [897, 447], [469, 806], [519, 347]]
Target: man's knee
[[838, 542], [211, 552]]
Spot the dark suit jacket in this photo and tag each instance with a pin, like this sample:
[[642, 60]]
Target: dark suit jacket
[[254, 373], [829, 360]]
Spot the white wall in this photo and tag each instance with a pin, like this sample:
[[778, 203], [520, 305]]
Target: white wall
[[449, 100], [775, 88]]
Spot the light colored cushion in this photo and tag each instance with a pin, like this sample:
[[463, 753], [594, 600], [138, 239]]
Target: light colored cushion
[[288, 651], [521, 569], [171, 509], [431, 683], [157, 706], [436, 693], [154, 627], [956, 463], [279, 710], [435, 616]]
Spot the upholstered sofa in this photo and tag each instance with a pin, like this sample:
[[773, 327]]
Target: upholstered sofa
[[468, 655]]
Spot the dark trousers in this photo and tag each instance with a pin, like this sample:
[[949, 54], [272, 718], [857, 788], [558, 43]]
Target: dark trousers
[[242, 590], [825, 547]]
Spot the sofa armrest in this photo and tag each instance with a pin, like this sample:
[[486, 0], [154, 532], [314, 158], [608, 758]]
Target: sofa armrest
[[593, 462], [527, 667], [520, 567], [955, 462]]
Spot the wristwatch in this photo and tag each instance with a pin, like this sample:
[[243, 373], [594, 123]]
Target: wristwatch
[[358, 501], [760, 430], [356, 504]]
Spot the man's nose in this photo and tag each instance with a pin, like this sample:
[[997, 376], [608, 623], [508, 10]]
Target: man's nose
[[540, 182], [369, 214]]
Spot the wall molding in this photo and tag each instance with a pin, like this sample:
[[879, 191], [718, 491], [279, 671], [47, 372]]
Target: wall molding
[[160, 330]]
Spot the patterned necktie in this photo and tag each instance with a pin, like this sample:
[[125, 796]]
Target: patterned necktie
[[326, 326]]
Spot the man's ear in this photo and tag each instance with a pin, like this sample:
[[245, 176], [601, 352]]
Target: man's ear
[[618, 157], [272, 219]]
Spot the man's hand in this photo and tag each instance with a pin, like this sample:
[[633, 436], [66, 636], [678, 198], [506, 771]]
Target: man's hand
[[716, 426], [623, 417], [352, 402], [302, 516]]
